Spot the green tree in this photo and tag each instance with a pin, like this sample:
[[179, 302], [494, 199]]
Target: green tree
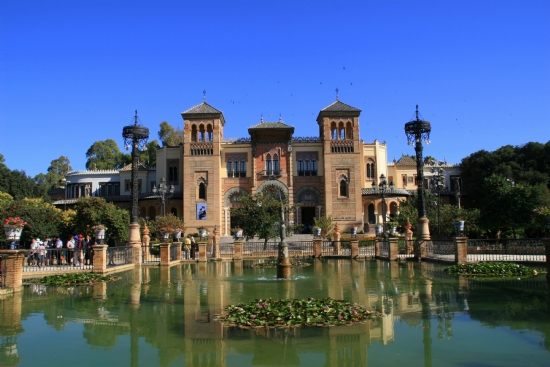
[[508, 206], [57, 170], [105, 155], [94, 210], [260, 214], [43, 219], [170, 136]]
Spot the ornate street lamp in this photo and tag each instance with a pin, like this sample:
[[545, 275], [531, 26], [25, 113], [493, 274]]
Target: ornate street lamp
[[417, 131], [283, 261], [437, 183], [135, 136], [164, 193], [382, 190]]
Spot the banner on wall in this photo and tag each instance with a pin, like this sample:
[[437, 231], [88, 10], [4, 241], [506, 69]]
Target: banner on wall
[[201, 211]]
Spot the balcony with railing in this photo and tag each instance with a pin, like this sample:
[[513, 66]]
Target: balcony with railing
[[271, 173]]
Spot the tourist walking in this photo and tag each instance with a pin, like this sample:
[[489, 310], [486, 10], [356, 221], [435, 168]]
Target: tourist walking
[[78, 253], [58, 250], [186, 247], [89, 250], [41, 252], [193, 247]]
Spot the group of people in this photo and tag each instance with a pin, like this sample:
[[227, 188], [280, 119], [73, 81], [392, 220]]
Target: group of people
[[77, 251], [190, 248]]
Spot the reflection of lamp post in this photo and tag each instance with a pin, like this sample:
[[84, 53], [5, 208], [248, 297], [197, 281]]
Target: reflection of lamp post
[[135, 136], [382, 191], [417, 131], [164, 193], [438, 182]]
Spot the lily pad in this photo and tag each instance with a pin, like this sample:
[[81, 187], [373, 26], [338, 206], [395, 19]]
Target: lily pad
[[288, 313], [492, 269], [271, 264], [75, 279]]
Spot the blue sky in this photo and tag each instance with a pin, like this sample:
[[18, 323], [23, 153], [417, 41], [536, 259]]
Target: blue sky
[[73, 72]]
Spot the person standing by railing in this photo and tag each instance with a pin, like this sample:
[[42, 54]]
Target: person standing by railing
[[41, 251], [70, 251], [48, 244], [88, 248], [186, 247], [78, 260], [58, 249]]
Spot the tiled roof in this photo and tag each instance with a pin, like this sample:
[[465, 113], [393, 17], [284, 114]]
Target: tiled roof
[[202, 108], [272, 125], [338, 106], [117, 198], [141, 167], [406, 161], [92, 172], [389, 192]]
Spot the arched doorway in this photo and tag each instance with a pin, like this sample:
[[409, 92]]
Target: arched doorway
[[309, 199], [152, 213], [371, 215]]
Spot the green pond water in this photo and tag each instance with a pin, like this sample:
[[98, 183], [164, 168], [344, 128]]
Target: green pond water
[[165, 317]]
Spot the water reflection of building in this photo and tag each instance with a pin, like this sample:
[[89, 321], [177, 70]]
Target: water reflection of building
[[173, 311]]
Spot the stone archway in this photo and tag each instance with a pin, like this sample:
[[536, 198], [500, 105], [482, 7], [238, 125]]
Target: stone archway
[[310, 199], [274, 184], [230, 200]]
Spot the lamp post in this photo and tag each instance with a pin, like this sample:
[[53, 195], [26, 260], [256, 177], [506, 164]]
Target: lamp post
[[135, 136], [417, 131], [457, 190], [164, 193], [437, 183], [382, 190]]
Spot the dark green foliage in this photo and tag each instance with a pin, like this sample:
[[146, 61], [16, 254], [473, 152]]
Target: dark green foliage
[[271, 264], [57, 170], [287, 313], [94, 210], [75, 279], [19, 185], [43, 219], [170, 136], [492, 269]]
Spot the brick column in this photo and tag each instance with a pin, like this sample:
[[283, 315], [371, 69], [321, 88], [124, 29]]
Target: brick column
[[354, 248], [420, 249], [317, 247], [202, 251], [14, 268], [461, 250], [164, 254], [179, 252], [546, 242], [237, 249], [100, 259], [377, 248], [393, 251]]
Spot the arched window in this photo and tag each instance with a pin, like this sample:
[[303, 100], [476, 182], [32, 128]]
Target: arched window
[[173, 173], [333, 131], [343, 188], [202, 133], [313, 166], [341, 131], [174, 211], [229, 167], [194, 133], [209, 133], [268, 163], [300, 166], [349, 131], [276, 163], [242, 170], [202, 191], [236, 167]]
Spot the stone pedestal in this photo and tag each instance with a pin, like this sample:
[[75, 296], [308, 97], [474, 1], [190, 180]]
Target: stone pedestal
[[337, 247], [393, 250], [216, 243], [423, 229], [134, 240], [354, 248], [317, 247], [461, 250], [237, 249], [14, 268], [164, 254], [100, 259], [202, 251], [146, 254]]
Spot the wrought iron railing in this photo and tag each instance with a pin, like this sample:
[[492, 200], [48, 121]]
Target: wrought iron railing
[[384, 249], [117, 256], [150, 254], [56, 259], [440, 249], [260, 249], [367, 248], [327, 248], [506, 250], [345, 247], [175, 251]]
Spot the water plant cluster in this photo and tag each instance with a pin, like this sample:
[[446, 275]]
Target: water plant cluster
[[75, 279], [287, 313], [269, 264], [492, 269]]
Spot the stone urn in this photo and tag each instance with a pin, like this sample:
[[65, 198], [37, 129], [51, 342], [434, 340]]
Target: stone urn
[[459, 226], [12, 232], [354, 230], [316, 232]]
